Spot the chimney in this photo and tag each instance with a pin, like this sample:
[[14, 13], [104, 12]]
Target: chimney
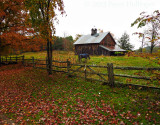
[[93, 31]]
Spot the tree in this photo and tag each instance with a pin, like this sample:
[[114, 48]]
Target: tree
[[63, 43], [15, 33], [42, 17], [100, 30], [12, 24], [58, 44], [153, 21], [77, 37], [68, 43], [141, 35], [124, 42]]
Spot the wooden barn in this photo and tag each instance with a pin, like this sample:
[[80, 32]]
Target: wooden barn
[[97, 44]]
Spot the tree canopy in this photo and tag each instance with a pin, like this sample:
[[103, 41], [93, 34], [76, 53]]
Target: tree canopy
[[43, 15], [11, 23], [15, 32], [152, 21]]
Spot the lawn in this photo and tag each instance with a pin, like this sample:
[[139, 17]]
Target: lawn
[[30, 96]]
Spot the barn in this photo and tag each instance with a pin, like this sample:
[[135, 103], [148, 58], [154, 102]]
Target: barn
[[98, 44]]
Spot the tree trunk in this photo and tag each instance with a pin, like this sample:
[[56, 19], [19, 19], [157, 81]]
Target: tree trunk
[[153, 37], [49, 57], [49, 44], [152, 46], [142, 44]]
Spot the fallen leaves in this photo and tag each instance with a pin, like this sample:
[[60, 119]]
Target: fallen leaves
[[30, 100]]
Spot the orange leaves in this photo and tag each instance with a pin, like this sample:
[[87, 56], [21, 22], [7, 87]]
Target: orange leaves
[[2, 13], [149, 19], [14, 28]]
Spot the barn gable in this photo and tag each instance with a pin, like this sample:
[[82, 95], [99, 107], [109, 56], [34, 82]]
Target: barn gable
[[97, 44]]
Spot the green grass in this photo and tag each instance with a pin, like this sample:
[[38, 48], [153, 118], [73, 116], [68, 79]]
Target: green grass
[[98, 60], [63, 55], [103, 60], [122, 61], [32, 97]]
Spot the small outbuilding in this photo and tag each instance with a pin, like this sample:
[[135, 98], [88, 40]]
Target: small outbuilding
[[98, 44]]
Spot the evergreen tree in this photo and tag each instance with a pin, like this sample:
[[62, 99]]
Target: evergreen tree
[[124, 42], [58, 43]]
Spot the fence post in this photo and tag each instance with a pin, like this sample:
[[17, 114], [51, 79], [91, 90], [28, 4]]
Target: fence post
[[47, 63], [0, 61], [85, 73], [6, 59], [16, 58], [68, 67], [33, 62], [23, 60], [110, 74]]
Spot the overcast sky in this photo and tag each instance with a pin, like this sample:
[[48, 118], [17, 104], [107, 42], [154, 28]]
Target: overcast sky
[[115, 16]]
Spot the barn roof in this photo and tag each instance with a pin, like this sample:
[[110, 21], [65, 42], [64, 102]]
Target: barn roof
[[88, 39], [117, 48]]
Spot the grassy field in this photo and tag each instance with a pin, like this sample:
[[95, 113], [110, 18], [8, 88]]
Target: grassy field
[[30, 96], [98, 60], [140, 61]]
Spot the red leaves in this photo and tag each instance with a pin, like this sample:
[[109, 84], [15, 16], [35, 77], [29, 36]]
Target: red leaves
[[29, 100]]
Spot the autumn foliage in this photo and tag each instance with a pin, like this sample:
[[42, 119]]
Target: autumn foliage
[[15, 32], [152, 33]]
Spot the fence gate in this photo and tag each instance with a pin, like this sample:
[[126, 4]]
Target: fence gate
[[88, 72]]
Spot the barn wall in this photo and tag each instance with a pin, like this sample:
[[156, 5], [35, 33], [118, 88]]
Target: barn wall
[[104, 52], [108, 42], [91, 49]]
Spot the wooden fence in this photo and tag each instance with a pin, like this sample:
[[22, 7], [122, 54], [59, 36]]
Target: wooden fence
[[84, 71], [88, 72], [10, 59]]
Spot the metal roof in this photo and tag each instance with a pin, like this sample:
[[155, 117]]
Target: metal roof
[[117, 48], [88, 39]]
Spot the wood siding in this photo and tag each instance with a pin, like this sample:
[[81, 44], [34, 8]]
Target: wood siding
[[108, 42], [91, 49]]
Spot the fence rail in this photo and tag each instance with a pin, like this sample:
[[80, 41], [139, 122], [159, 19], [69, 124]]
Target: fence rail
[[10, 59], [84, 70], [136, 77], [136, 68]]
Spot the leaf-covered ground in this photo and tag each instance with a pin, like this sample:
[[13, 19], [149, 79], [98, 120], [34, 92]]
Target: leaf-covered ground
[[30, 96]]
